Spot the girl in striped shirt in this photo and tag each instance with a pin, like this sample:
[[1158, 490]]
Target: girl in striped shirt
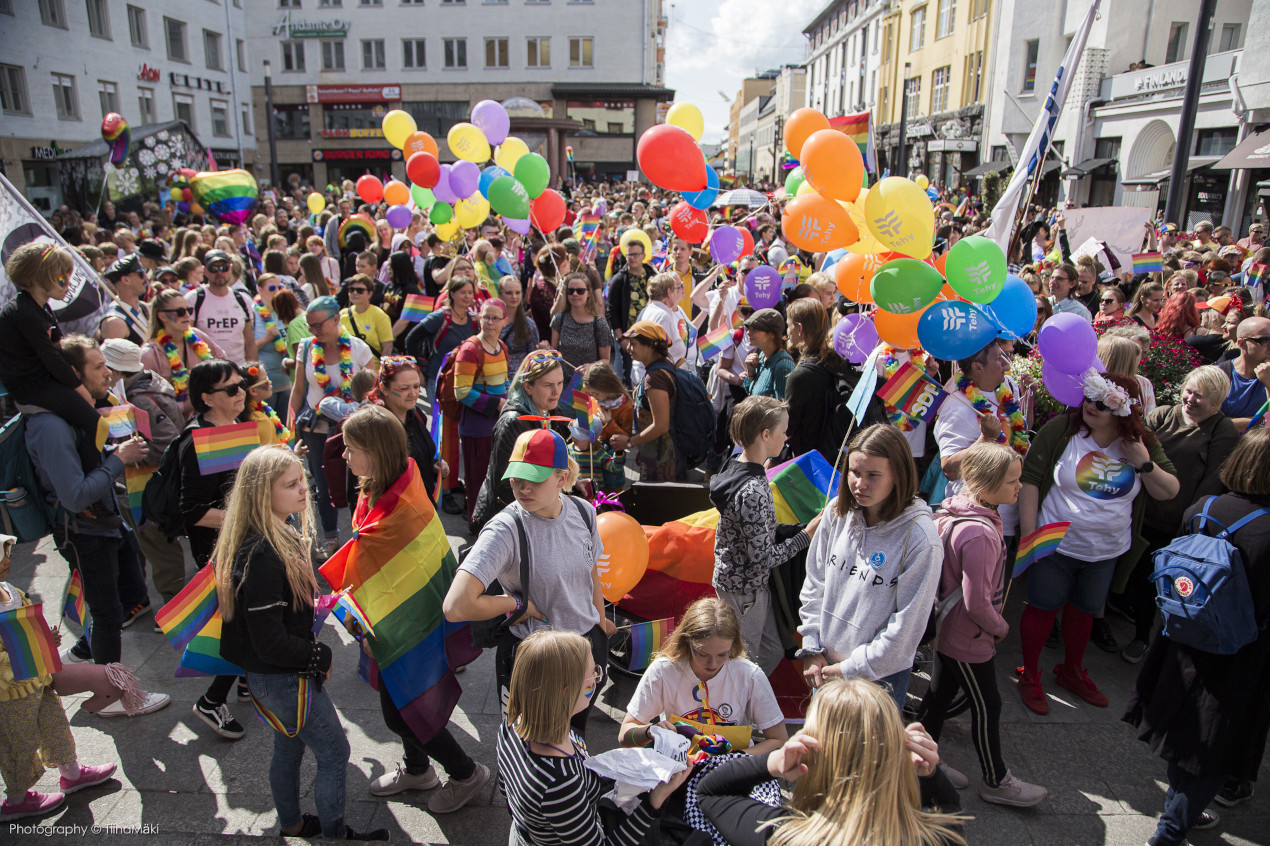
[[480, 384]]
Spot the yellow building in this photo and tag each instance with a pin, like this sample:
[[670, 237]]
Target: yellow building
[[941, 48]]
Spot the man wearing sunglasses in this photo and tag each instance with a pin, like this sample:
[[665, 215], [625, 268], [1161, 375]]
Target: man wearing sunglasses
[[222, 313], [128, 317], [1249, 373]]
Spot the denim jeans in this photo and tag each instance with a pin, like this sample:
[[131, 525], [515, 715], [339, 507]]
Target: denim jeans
[[315, 441], [1187, 797], [322, 733], [113, 581], [897, 685]]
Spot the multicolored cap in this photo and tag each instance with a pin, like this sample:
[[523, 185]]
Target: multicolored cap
[[536, 455]]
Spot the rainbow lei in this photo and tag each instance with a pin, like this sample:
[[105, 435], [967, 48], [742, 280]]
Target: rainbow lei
[[1017, 437], [890, 364], [279, 344], [346, 367], [181, 375], [284, 435]]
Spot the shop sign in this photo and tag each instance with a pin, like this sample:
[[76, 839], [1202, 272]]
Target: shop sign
[[353, 133], [351, 93], [952, 145], [184, 80], [1167, 78], [147, 73], [291, 27], [52, 151], [345, 155]]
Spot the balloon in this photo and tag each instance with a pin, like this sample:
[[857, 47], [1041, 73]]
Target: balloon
[[763, 286], [817, 224], [1014, 309], [805, 188], [488, 175], [398, 127], [396, 193], [794, 181], [898, 330], [955, 330], [932, 195], [636, 235], [509, 152], [832, 164], [1067, 342], [547, 211], [625, 555], [726, 244], [471, 211], [447, 231], [441, 213], [853, 273], [424, 198], [118, 135], [900, 215], [533, 172], [517, 225], [508, 197], [443, 190], [905, 285], [1064, 387], [854, 337], [316, 202], [867, 245], [465, 178], [228, 194], [976, 269], [398, 217], [491, 119], [370, 189], [420, 142], [687, 117], [747, 247], [423, 169], [467, 143], [922, 181], [799, 126], [671, 159], [195, 208], [941, 264], [704, 198], [688, 223], [175, 195]]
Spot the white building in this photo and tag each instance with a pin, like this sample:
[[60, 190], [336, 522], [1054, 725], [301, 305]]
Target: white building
[[842, 68], [65, 64]]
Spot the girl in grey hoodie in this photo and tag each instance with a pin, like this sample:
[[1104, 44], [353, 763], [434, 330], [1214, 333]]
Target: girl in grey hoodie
[[872, 569]]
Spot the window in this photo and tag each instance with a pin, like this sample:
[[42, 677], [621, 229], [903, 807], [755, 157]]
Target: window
[[211, 50], [413, 53], [371, 3], [1216, 142], [945, 18], [6, 7], [292, 55], [288, 4], [291, 121], [330, 4], [437, 116], [108, 94], [183, 109], [220, 119], [455, 52], [1230, 37], [145, 105], [137, 28], [451, 2], [65, 96], [615, 128], [98, 19], [373, 54], [53, 13], [580, 52], [1176, 50], [886, 44], [174, 34], [495, 52], [412, 2], [972, 79], [939, 80], [1107, 148], [914, 98], [13, 98], [917, 34], [1030, 50], [244, 114], [978, 8], [333, 54], [240, 52], [539, 52]]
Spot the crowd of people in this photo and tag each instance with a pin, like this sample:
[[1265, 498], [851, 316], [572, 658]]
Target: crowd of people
[[297, 323]]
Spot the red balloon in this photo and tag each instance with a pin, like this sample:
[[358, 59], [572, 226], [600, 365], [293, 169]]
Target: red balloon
[[423, 169], [547, 210], [370, 189], [671, 159], [688, 223], [747, 248]]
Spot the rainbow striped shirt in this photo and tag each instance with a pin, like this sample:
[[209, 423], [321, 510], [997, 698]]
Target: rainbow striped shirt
[[480, 381]]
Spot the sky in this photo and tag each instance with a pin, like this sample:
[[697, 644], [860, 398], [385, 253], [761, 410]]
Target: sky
[[712, 45]]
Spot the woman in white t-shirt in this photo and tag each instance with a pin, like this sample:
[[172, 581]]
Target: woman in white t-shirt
[[664, 292], [702, 676]]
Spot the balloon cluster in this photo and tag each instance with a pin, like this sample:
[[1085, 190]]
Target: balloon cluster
[[1068, 347], [180, 191], [118, 135]]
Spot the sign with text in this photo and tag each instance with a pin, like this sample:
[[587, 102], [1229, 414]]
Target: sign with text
[[351, 93]]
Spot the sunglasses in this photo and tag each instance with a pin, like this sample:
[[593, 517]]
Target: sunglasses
[[357, 290], [1262, 341], [273, 287], [218, 268], [577, 290], [1098, 404], [1109, 301], [179, 312], [230, 390]]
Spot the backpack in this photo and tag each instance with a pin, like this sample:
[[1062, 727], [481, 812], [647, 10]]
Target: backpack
[[1202, 589], [449, 403], [202, 295], [24, 509], [838, 419], [692, 420], [161, 499], [943, 607]]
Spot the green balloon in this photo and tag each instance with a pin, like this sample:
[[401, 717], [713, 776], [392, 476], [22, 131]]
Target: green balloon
[[794, 181], [905, 286], [532, 172], [441, 213], [509, 198], [976, 269], [423, 197]]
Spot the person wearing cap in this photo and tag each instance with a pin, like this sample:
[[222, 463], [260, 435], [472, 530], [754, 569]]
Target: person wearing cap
[[769, 363], [127, 316], [646, 343], [223, 314], [1256, 238], [167, 277], [564, 545], [152, 253]]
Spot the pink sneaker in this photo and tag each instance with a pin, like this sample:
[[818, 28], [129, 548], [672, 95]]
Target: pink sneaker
[[32, 805], [88, 776]]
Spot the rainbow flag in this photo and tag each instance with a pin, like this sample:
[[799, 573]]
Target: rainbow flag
[[587, 232], [417, 307], [646, 641], [737, 319], [27, 639], [962, 206], [859, 127], [1042, 542], [1147, 263], [74, 607], [190, 610], [222, 448], [348, 612], [367, 669], [398, 567], [135, 477], [1255, 275], [573, 397], [120, 420], [912, 392], [202, 655], [712, 343], [800, 487]]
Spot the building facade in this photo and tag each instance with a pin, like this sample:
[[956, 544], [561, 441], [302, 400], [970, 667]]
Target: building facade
[[844, 40], [739, 154]]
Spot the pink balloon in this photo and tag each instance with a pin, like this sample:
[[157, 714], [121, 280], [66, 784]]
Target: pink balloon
[[517, 225]]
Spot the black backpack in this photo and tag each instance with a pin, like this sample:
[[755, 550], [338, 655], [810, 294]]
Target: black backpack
[[692, 420], [839, 417], [161, 499]]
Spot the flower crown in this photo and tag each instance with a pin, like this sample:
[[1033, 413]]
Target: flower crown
[[1097, 388]]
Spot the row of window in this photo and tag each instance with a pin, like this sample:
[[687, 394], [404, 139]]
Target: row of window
[[336, 4], [454, 53], [945, 17]]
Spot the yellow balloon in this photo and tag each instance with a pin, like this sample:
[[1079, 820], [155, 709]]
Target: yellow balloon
[[636, 235], [899, 214], [805, 188], [922, 181], [471, 212], [687, 117], [447, 230], [509, 152], [316, 202], [397, 127], [867, 245], [468, 142]]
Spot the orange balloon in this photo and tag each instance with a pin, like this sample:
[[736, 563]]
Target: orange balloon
[[419, 142], [396, 193], [625, 555], [853, 273], [798, 128], [832, 164], [939, 263], [898, 330], [816, 223]]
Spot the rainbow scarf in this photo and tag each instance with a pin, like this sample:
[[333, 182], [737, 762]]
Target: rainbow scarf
[[1014, 433], [303, 704]]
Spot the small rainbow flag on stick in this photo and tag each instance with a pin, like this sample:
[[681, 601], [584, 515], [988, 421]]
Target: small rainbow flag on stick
[[1148, 263], [573, 397], [646, 640], [190, 610], [911, 392], [715, 342], [135, 478], [222, 448], [1255, 276], [417, 307], [120, 419], [202, 656], [1042, 542], [27, 639], [73, 607]]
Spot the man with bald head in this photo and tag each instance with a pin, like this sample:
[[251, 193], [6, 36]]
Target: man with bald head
[[1249, 373]]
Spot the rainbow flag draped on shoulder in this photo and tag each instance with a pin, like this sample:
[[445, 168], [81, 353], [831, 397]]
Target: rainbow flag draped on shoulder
[[398, 567]]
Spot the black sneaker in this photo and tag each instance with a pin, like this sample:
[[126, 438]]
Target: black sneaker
[[1102, 637], [1208, 819], [219, 718], [137, 612], [1056, 637], [1235, 793], [377, 834], [244, 693], [450, 504], [1134, 651]]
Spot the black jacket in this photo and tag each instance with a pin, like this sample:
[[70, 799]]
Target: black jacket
[[496, 492], [618, 302]]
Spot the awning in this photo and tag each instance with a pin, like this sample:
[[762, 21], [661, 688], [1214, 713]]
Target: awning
[[1086, 167], [988, 167], [1195, 163], [1253, 151], [1050, 166]]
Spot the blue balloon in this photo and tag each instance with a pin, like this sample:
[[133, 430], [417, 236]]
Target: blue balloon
[[487, 178], [1014, 309], [953, 330], [934, 198], [704, 198]]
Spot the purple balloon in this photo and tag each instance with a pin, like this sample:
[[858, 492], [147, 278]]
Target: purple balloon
[[726, 244], [442, 190], [1064, 387], [763, 287], [518, 225], [491, 118], [398, 217], [1068, 343], [854, 337], [465, 179]]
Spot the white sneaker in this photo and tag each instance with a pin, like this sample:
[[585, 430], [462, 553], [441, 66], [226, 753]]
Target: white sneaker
[[397, 781], [1011, 791], [153, 702], [69, 657]]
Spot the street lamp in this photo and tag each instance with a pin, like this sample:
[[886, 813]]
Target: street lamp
[[273, 138], [901, 157]]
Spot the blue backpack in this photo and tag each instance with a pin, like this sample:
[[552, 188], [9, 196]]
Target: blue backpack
[[24, 511], [1202, 589]]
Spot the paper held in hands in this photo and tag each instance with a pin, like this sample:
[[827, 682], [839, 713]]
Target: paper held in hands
[[637, 771]]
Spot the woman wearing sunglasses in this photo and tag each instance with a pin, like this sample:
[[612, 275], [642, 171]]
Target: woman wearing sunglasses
[[271, 335], [175, 346], [1110, 307], [578, 328]]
